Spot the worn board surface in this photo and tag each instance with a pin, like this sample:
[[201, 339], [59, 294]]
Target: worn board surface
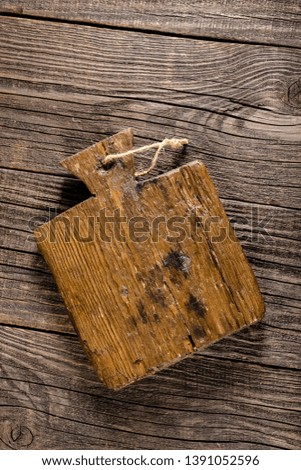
[[151, 271], [64, 87]]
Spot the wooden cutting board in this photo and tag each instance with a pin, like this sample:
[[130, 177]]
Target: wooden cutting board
[[149, 272]]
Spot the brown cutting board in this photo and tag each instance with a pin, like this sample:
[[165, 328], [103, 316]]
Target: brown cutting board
[[149, 272]]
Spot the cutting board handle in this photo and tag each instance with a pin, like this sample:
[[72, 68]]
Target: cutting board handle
[[87, 165]]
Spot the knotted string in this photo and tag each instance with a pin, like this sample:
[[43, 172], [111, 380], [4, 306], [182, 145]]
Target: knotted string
[[173, 143]]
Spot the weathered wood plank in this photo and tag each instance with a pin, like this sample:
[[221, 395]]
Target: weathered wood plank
[[63, 124], [270, 22], [30, 298], [236, 121], [49, 389], [238, 173]]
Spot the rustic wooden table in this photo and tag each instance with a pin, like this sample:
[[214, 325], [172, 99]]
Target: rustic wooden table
[[226, 75]]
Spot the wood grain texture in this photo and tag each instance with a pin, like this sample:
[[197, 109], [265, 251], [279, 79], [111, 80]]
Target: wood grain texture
[[50, 393], [271, 22], [64, 87]]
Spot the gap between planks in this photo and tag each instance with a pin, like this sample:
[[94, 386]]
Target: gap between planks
[[144, 31]]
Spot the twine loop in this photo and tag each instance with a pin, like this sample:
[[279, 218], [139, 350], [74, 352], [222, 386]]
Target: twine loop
[[173, 143]]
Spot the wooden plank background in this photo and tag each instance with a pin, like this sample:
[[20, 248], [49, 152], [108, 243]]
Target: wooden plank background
[[227, 77], [268, 22]]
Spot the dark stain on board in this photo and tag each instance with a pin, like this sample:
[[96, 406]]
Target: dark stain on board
[[137, 361], [198, 332], [153, 288], [178, 261], [142, 312], [163, 189], [156, 317], [133, 322], [196, 306], [191, 342], [156, 295], [139, 276]]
